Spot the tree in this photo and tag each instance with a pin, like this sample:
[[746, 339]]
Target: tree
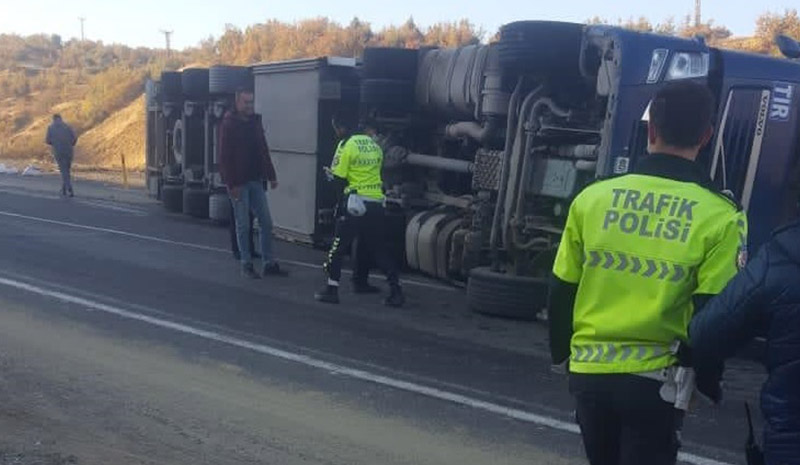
[[667, 27], [714, 35], [770, 25], [455, 34], [230, 43], [356, 36], [641, 24], [406, 36]]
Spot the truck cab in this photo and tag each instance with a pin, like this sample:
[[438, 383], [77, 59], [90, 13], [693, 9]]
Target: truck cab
[[754, 153]]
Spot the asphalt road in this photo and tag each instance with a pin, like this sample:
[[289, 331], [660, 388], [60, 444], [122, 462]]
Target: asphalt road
[[127, 336]]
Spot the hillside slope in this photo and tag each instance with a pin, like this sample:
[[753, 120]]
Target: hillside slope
[[122, 134]]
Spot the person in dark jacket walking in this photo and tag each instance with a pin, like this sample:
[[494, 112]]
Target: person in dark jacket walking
[[62, 139], [763, 299], [245, 166]]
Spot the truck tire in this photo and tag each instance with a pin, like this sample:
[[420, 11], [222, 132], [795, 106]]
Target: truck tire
[[225, 80], [172, 196], [194, 82], [530, 46], [152, 91], [388, 94], [390, 63], [502, 295], [154, 186], [171, 87], [196, 203], [177, 142], [219, 209]]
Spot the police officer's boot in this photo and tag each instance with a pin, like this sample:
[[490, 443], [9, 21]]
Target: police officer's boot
[[396, 297], [328, 294]]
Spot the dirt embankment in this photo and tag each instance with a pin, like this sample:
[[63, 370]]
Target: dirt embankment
[[121, 135]]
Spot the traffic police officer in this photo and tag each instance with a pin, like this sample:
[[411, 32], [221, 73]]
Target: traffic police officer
[[639, 254], [356, 169]]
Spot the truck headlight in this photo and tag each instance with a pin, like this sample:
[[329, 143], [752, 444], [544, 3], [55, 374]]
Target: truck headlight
[[687, 65], [657, 65]]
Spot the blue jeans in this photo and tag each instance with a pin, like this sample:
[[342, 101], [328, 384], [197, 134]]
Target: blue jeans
[[252, 197]]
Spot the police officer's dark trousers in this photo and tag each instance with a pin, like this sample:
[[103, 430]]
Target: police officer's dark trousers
[[370, 231], [624, 420]]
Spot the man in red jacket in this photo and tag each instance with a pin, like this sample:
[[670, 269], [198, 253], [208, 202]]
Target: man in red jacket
[[246, 167]]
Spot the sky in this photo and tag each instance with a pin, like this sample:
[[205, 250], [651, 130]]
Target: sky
[[137, 23]]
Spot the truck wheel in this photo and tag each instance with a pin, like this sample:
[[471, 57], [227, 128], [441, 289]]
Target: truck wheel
[[529, 46], [388, 94], [177, 142], [219, 209], [152, 92], [507, 296], [196, 203], [390, 63], [154, 186], [225, 80], [172, 196], [171, 88], [194, 82]]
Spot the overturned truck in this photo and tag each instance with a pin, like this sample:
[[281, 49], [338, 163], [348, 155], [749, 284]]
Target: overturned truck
[[485, 146]]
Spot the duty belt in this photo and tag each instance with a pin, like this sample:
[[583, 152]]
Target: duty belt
[[678, 383]]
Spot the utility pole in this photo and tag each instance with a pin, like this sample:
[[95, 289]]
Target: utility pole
[[698, 19], [82, 20], [167, 39]]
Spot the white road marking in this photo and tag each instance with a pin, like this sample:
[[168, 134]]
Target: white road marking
[[112, 206], [355, 373], [99, 203], [190, 245]]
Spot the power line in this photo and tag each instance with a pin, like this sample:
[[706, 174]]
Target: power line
[[698, 19], [167, 39]]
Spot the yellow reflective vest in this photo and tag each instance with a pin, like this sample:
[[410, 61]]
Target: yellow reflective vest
[[359, 160], [639, 247]]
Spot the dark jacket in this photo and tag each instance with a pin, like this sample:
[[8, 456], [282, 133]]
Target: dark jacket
[[243, 151], [763, 299], [62, 138]]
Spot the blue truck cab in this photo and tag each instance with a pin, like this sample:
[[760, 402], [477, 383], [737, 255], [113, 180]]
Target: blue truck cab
[[754, 153]]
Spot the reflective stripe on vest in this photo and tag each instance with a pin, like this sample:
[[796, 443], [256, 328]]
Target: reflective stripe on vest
[[614, 353], [645, 267]]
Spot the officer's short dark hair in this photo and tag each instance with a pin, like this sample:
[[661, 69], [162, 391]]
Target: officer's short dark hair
[[682, 112], [56, 117], [371, 123], [346, 119]]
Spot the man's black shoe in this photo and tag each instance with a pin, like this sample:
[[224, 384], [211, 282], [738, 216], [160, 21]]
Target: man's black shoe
[[328, 294], [249, 272], [273, 269], [396, 298]]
